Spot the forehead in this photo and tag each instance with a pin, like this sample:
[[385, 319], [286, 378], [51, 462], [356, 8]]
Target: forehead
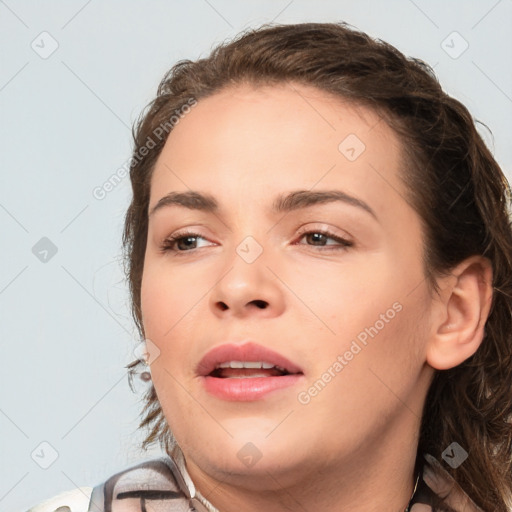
[[259, 141]]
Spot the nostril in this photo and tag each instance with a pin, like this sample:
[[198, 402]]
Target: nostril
[[260, 303]]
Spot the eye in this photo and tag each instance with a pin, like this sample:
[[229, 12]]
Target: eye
[[187, 241], [319, 238], [181, 242]]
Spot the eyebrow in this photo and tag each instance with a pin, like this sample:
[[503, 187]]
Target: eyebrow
[[295, 200]]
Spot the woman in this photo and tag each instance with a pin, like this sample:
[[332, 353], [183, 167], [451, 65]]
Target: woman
[[319, 256]]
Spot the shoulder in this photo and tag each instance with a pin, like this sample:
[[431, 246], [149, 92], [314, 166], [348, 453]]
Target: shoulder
[[438, 483], [152, 481], [76, 500]]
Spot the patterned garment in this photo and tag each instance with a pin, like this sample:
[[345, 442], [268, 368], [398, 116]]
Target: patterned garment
[[164, 485]]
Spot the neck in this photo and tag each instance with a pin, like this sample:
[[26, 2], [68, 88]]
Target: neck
[[378, 476]]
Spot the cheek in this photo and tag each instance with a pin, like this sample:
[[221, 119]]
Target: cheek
[[362, 385], [381, 356], [168, 299], [168, 305], [375, 324], [173, 311], [349, 302]]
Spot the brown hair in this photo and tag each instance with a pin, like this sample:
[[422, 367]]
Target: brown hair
[[453, 181]]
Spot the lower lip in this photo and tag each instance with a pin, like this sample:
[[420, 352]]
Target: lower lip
[[248, 389]]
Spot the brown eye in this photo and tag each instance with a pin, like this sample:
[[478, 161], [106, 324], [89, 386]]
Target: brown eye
[[181, 242], [320, 238]]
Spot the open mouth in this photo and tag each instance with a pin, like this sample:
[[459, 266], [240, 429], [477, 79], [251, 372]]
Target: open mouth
[[246, 372]]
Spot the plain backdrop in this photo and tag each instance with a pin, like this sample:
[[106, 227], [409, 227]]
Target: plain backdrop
[[74, 76]]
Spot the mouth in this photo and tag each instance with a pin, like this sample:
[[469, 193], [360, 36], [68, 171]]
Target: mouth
[[246, 372]]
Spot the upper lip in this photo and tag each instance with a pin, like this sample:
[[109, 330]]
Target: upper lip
[[248, 351]]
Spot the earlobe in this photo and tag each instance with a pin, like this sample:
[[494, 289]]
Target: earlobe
[[462, 312]]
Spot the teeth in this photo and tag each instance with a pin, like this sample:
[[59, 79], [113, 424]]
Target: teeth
[[254, 364], [249, 364]]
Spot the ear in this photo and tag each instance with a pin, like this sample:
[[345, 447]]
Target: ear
[[459, 317]]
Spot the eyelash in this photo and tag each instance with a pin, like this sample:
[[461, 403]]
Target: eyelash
[[168, 245]]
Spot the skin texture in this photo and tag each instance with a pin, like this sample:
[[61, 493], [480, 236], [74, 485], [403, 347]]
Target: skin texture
[[353, 445]]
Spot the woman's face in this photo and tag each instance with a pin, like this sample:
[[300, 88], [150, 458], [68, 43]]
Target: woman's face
[[310, 262]]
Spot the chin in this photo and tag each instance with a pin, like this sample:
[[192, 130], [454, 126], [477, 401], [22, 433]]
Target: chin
[[251, 453]]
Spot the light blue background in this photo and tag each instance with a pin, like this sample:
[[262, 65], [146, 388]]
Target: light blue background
[[65, 326]]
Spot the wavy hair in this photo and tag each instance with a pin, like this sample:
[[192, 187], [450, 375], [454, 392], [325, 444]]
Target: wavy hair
[[452, 180]]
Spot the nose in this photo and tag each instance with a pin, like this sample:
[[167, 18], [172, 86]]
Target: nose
[[248, 288]]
